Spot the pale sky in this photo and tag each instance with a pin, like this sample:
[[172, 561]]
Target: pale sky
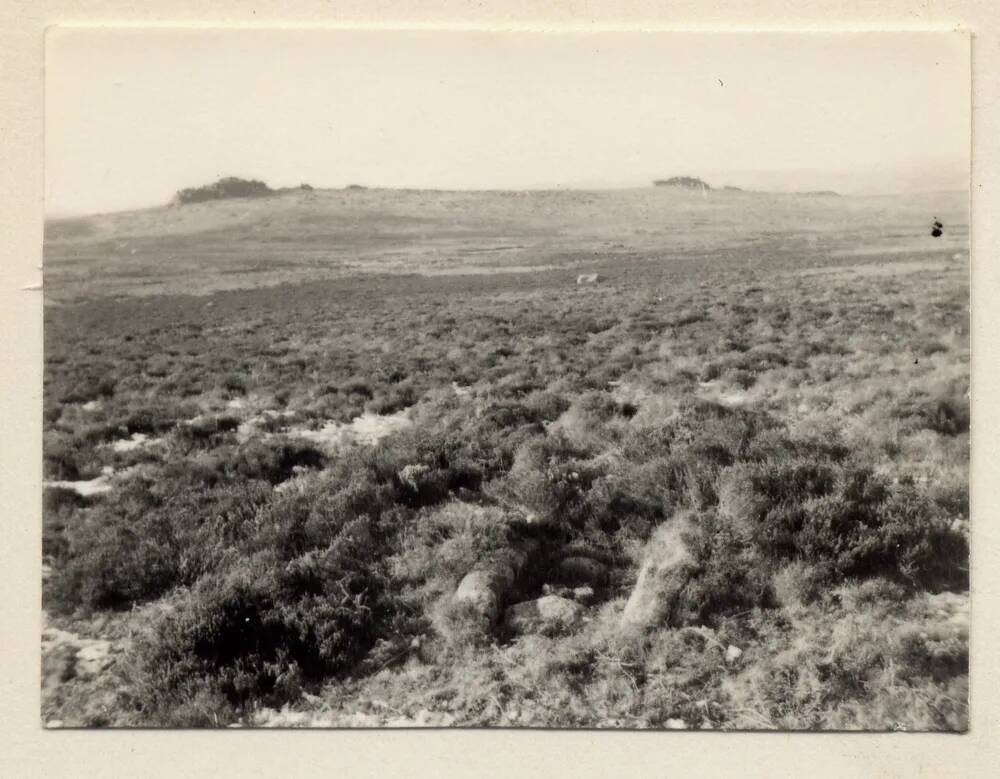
[[134, 115]]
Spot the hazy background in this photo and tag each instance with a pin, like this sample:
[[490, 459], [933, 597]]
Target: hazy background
[[133, 115]]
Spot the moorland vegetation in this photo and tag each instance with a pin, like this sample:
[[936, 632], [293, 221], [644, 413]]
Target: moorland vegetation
[[775, 460]]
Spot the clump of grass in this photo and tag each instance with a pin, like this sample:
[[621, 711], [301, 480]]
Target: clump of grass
[[858, 667]]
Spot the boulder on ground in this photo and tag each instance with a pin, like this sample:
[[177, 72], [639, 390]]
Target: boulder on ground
[[484, 589], [666, 568], [549, 614]]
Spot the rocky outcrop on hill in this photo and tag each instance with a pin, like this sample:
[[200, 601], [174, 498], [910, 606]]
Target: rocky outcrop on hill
[[684, 182], [223, 189]]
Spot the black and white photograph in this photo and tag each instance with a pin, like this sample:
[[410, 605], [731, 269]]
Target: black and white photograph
[[469, 379]]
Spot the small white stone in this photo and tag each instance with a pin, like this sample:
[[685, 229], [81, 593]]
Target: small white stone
[[733, 653]]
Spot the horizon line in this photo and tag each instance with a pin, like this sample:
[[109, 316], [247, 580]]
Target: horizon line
[[729, 189]]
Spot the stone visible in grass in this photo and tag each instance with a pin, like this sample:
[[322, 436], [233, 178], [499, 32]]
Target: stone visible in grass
[[549, 614], [664, 572], [483, 590]]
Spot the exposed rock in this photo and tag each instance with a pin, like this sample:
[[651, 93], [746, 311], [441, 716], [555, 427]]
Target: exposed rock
[[224, 188], [588, 278], [579, 570], [683, 182], [665, 570], [484, 589], [675, 724], [549, 614], [733, 653], [410, 475]]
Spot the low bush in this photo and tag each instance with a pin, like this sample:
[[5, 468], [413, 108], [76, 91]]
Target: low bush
[[115, 560], [273, 462], [551, 477], [845, 519], [729, 576], [206, 431]]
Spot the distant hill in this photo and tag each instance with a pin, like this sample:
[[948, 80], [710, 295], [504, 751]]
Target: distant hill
[[684, 182]]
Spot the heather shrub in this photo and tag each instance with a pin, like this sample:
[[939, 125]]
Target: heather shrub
[[844, 520], [710, 372], [545, 406], [307, 599], [150, 421], [551, 477], [946, 416], [59, 509], [65, 457], [206, 431], [742, 379], [150, 536], [392, 397], [728, 575], [273, 462], [115, 559]]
